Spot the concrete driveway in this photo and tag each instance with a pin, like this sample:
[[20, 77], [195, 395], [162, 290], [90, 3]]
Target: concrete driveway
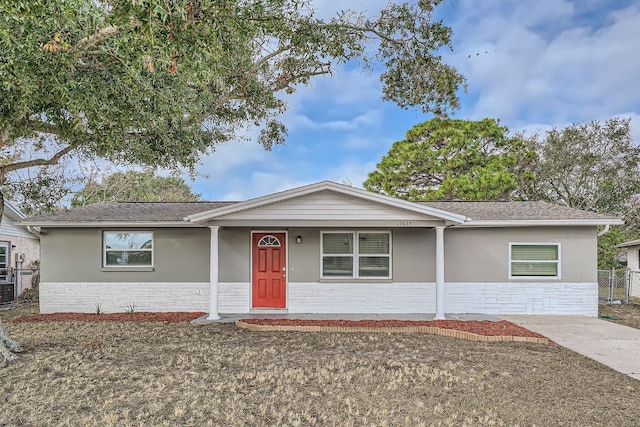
[[611, 344]]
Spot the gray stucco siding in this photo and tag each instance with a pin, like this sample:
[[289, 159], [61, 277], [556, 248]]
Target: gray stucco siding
[[75, 255], [182, 255], [471, 255], [234, 253], [482, 255]]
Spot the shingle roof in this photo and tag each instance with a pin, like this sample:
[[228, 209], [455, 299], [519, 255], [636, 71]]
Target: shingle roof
[[129, 212], [176, 211], [506, 211]]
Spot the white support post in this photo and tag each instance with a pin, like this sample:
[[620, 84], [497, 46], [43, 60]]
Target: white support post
[[213, 274], [440, 273]]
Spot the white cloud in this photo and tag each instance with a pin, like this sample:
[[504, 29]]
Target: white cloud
[[261, 183], [569, 70], [352, 171], [371, 118], [344, 87], [232, 155]]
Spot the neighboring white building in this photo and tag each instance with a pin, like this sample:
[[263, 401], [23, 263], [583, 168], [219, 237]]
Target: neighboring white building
[[633, 264], [19, 245]]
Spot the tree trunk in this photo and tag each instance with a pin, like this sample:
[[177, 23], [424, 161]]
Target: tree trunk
[[8, 347]]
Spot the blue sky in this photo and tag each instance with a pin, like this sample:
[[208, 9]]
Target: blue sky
[[533, 64]]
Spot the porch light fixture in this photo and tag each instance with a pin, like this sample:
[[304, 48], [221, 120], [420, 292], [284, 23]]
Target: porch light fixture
[[299, 239]]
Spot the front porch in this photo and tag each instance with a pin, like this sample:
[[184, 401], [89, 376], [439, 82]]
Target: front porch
[[232, 318]]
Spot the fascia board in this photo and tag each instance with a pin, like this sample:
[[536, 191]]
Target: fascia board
[[94, 224], [326, 185], [12, 212], [541, 222], [402, 204], [629, 244]]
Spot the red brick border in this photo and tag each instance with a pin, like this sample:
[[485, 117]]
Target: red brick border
[[404, 329]]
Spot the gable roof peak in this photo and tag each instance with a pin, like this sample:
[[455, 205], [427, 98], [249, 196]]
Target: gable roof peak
[[317, 187]]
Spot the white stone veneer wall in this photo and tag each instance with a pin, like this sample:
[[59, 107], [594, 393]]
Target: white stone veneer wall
[[522, 298], [486, 298], [118, 297], [325, 297], [234, 297], [314, 297]]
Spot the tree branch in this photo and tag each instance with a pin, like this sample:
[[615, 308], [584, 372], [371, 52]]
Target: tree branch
[[90, 41], [4, 137], [35, 162], [101, 35], [44, 127], [373, 31], [283, 83], [266, 58]]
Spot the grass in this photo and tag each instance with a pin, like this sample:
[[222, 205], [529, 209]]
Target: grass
[[625, 314], [133, 374], [618, 294]]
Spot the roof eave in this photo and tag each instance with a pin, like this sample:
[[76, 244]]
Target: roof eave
[[628, 244], [12, 212], [541, 222]]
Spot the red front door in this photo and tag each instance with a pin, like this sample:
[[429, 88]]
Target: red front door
[[269, 281]]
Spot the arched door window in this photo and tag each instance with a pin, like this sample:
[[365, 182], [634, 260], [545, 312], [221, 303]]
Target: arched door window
[[269, 241]]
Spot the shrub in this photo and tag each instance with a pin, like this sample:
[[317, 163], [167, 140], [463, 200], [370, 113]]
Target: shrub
[[30, 295]]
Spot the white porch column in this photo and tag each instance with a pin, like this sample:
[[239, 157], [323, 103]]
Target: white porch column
[[440, 272], [213, 274]]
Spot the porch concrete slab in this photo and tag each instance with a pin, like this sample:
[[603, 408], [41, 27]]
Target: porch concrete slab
[[616, 346], [230, 318]]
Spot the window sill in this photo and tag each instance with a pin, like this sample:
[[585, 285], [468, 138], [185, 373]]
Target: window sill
[[533, 278], [352, 280], [122, 269]]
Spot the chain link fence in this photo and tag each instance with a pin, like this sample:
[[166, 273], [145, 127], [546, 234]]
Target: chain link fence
[[614, 286], [634, 286], [15, 281]]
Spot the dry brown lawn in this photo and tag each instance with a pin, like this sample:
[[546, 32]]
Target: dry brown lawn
[[625, 314], [154, 374]]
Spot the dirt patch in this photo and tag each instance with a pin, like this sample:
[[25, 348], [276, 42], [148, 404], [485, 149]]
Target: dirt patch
[[484, 327], [624, 314], [173, 317]]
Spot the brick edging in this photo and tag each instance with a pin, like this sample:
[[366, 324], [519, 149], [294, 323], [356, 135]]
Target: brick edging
[[413, 329]]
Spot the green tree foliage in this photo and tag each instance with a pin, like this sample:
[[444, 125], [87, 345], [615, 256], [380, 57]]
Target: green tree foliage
[[161, 82], [38, 191], [453, 159], [593, 166], [134, 186], [608, 255]]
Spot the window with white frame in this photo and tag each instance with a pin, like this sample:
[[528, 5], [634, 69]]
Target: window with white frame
[[356, 254], [127, 249], [540, 260], [4, 261]]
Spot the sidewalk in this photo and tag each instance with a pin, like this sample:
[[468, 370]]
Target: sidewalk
[[614, 345]]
